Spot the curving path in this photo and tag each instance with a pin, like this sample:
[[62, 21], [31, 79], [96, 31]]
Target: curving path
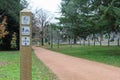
[[72, 68]]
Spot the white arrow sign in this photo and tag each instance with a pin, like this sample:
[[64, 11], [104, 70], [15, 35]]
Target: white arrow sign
[[25, 41]]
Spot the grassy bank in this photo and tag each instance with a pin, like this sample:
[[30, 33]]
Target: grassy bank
[[10, 67], [108, 55], [43, 73]]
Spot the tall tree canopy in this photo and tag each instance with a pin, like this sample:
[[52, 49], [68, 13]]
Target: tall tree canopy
[[86, 17], [10, 9]]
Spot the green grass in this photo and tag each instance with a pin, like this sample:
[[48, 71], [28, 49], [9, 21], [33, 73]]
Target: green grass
[[10, 70], [104, 54], [42, 71]]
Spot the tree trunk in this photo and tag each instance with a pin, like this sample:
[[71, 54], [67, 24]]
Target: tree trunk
[[42, 38], [71, 43], [39, 40], [58, 40], [42, 41], [118, 42], [58, 43], [88, 41], [75, 40], [94, 38], [69, 40], [100, 39], [51, 38], [108, 39], [84, 42], [80, 41]]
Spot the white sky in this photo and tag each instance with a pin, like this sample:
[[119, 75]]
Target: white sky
[[49, 5]]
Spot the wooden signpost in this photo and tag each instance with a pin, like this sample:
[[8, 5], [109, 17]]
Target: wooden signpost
[[25, 45]]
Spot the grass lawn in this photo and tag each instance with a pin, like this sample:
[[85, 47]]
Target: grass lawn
[[10, 67], [104, 54]]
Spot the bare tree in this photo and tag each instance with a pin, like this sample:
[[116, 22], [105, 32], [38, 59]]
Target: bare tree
[[42, 19], [24, 3]]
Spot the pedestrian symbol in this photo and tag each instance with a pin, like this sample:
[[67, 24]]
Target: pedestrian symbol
[[25, 41], [26, 20]]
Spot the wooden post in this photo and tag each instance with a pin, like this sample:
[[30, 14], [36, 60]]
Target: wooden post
[[25, 45]]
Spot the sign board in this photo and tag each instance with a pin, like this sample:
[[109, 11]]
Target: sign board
[[25, 41], [25, 30], [26, 20]]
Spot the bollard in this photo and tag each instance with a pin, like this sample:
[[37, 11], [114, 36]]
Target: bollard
[[25, 45]]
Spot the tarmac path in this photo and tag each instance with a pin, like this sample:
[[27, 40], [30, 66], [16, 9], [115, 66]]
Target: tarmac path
[[72, 68]]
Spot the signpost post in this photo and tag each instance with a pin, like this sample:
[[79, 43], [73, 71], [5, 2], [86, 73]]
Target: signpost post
[[25, 45]]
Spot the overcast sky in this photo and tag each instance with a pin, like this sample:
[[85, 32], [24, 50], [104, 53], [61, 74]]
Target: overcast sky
[[49, 5]]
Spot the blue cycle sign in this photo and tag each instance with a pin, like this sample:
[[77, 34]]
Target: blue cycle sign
[[25, 30], [25, 41]]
